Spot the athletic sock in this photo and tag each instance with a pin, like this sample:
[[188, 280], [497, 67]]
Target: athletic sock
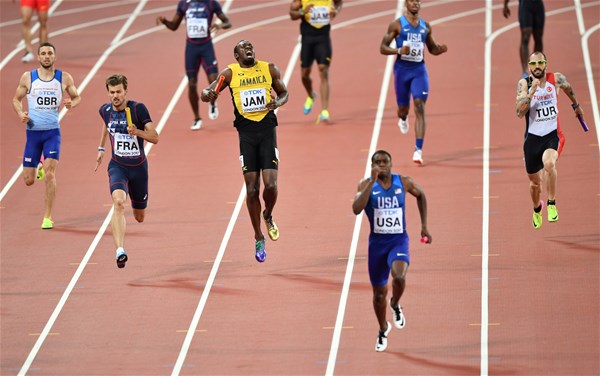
[[419, 144], [538, 209], [119, 250], [551, 202]]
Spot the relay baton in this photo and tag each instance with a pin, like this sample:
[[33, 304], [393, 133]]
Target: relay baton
[[128, 113], [129, 121], [219, 83], [581, 121], [583, 124]]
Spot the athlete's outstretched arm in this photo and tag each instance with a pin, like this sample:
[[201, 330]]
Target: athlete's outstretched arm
[[101, 148], [172, 24]]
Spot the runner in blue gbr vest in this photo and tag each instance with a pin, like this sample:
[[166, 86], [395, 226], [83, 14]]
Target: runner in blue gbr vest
[[382, 197], [412, 35], [44, 88]]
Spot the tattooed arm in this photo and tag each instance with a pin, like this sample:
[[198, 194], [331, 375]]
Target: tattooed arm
[[561, 82], [524, 97]]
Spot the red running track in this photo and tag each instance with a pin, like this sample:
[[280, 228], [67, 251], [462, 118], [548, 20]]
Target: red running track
[[279, 317]]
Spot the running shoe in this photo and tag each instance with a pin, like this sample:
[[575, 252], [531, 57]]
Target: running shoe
[[399, 320], [403, 124], [537, 217], [308, 104], [196, 125], [381, 343], [47, 223], [272, 228], [121, 259], [40, 172], [323, 116], [213, 111], [552, 213], [418, 156], [261, 253], [28, 57]]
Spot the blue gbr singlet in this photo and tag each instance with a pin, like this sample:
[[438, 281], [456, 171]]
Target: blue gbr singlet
[[415, 38], [43, 100], [385, 211]]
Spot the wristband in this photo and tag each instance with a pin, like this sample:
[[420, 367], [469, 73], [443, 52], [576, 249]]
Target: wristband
[[574, 105], [100, 148], [399, 51]]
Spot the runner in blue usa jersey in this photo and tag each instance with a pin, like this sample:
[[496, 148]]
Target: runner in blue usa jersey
[[412, 35], [199, 49], [128, 168], [382, 197]]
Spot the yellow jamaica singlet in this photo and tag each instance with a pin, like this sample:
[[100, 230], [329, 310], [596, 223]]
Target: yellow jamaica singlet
[[318, 16], [251, 90]]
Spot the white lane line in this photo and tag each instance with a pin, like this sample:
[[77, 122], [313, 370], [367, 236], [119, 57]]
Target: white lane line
[[21, 44], [73, 11], [356, 233], [38, 344], [76, 27], [589, 72], [213, 273], [486, 186], [339, 321]]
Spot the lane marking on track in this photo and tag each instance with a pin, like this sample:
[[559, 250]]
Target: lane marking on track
[[590, 77], [82, 265], [104, 21], [486, 179], [83, 9], [357, 224], [21, 44]]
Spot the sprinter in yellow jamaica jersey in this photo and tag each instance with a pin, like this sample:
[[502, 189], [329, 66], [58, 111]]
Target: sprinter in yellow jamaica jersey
[[251, 84], [315, 26]]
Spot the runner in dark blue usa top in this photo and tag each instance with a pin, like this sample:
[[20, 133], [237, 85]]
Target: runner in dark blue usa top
[[199, 49], [127, 124], [382, 197], [412, 34]]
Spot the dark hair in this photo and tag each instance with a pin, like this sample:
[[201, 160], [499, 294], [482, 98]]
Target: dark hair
[[116, 79], [46, 44], [381, 151], [538, 52]]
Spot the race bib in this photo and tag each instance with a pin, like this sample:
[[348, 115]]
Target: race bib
[[126, 145], [417, 50], [319, 16], [253, 100], [197, 27], [388, 221]]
